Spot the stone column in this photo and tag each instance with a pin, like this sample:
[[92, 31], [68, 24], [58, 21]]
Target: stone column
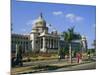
[[24, 46], [44, 44], [40, 43], [53, 43], [41, 47], [16, 46], [58, 44], [47, 42], [50, 43]]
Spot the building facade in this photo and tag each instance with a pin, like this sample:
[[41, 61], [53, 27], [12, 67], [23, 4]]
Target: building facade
[[40, 39], [20, 39]]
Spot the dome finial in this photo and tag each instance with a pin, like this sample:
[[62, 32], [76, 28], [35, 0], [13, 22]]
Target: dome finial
[[41, 16]]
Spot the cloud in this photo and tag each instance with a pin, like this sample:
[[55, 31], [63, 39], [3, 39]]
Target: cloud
[[79, 18], [23, 30], [29, 23], [73, 18], [57, 12]]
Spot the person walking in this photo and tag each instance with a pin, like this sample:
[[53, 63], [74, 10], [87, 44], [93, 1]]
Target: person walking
[[78, 57]]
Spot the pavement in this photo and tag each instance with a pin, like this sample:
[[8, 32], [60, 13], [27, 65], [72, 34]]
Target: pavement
[[28, 66], [86, 66]]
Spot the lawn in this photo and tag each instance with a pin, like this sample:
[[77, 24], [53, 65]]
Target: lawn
[[36, 57]]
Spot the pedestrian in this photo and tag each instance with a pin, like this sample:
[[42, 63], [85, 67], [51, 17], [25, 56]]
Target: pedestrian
[[78, 57]]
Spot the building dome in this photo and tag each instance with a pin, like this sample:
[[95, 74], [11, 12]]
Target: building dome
[[83, 37], [54, 32], [40, 22]]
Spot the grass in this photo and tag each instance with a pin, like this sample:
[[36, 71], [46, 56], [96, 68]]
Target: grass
[[40, 57]]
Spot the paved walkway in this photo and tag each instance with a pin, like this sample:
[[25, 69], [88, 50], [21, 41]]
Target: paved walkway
[[79, 67], [29, 65]]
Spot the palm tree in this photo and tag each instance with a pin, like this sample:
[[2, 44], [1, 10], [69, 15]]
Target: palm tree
[[69, 36]]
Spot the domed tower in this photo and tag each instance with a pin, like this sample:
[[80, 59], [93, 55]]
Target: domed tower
[[40, 24], [39, 27]]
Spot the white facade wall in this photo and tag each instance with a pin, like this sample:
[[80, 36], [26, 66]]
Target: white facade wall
[[22, 40], [34, 41]]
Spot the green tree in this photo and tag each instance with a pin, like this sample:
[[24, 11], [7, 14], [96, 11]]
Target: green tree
[[70, 36], [62, 53]]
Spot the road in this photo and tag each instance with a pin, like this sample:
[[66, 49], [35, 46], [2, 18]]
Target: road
[[28, 69], [84, 66], [79, 67]]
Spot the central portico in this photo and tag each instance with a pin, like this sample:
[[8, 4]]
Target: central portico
[[41, 39]]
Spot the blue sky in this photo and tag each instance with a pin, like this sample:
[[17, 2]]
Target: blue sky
[[60, 16]]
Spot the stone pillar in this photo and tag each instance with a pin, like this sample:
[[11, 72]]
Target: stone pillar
[[24, 46], [50, 43], [16, 50], [41, 46], [44, 45], [53, 43], [58, 44], [47, 42], [40, 43]]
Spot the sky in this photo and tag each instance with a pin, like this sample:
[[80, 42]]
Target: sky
[[60, 16]]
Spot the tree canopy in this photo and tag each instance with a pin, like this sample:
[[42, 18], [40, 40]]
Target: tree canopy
[[70, 35]]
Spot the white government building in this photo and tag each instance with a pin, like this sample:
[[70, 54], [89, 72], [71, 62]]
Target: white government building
[[39, 39]]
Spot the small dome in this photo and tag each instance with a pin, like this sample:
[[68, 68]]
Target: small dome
[[83, 37], [54, 32]]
